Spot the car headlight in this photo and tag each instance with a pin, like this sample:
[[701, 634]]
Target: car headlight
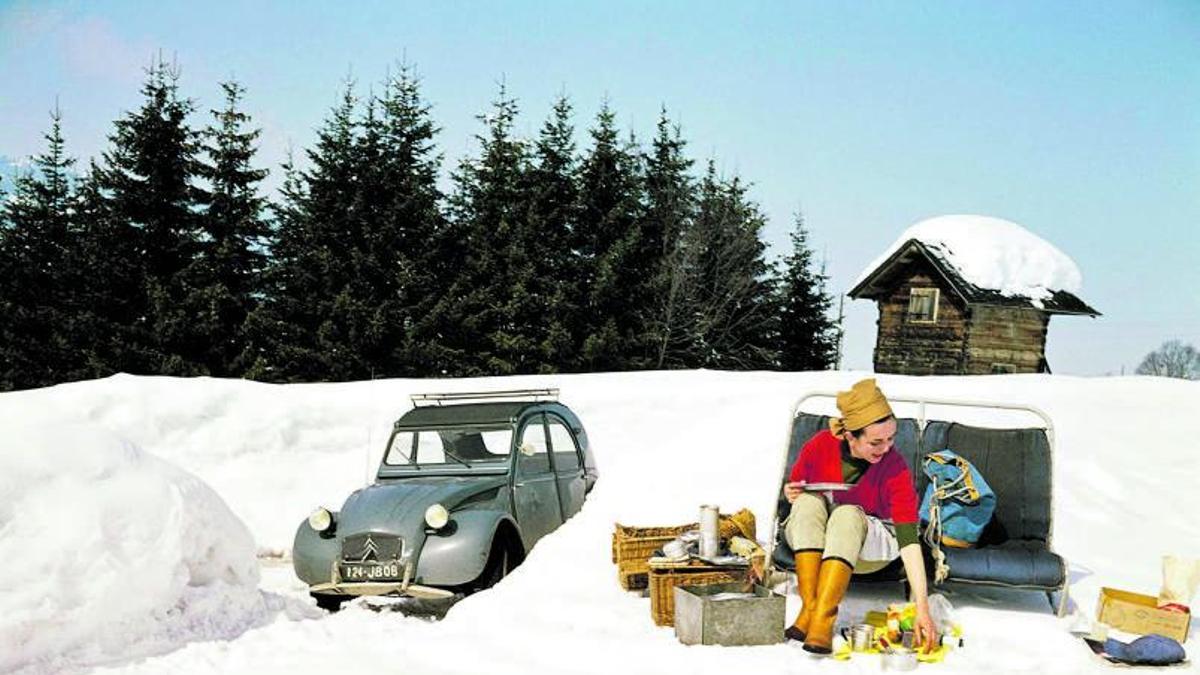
[[321, 520], [436, 516]]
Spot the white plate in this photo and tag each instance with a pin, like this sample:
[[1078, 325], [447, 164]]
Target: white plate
[[827, 487]]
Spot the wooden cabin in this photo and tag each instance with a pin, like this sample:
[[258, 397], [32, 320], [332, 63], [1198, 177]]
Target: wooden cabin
[[932, 321]]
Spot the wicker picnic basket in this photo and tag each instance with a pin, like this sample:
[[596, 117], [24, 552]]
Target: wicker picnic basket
[[665, 577], [633, 546]]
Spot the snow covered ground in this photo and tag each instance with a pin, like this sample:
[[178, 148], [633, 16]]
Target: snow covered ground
[[127, 507]]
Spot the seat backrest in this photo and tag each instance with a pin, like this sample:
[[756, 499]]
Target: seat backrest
[[470, 446], [1014, 462]]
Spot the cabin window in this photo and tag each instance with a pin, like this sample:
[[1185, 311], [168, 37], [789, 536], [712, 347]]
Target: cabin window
[[922, 305], [1003, 368]]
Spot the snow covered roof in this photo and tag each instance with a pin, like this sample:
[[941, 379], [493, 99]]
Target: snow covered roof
[[985, 261]]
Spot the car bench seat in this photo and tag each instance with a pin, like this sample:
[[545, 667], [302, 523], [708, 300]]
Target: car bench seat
[[1014, 551]]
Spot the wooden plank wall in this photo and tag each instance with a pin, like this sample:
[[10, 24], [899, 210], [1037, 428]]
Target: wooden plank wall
[[920, 348], [1005, 335]]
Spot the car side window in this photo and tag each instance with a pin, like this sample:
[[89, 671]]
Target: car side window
[[566, 454], [533, 456]]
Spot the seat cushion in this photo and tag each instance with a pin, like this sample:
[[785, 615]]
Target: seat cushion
[[1018, 563]]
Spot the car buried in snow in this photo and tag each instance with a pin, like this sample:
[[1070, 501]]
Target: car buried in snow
[[468, 483]]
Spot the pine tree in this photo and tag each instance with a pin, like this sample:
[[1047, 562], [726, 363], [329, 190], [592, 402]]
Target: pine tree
[[293, 336], [148, 181], [478, 316], [808, 338], [670, 210], [274, 330], [35, 285], [551, 316], [403, 244], [357, 248], [616, 284], [108, 293], [224, 278], [735, 305]]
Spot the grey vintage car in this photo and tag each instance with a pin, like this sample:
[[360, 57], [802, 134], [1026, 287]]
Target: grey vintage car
[[467, 485]]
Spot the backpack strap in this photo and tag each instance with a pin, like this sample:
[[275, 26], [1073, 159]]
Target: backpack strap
[[933, 533], [962, 486], [933, 538]]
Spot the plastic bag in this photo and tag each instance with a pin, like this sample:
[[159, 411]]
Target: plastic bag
[[942, 613]]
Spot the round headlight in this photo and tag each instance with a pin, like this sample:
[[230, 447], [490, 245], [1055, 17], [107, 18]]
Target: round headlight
[[436, 516], [320, 520]]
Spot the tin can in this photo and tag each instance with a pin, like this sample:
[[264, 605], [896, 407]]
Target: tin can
[[862, 637], [710, 538]]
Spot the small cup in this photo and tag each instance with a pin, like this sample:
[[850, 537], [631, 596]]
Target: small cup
[[861, 637]]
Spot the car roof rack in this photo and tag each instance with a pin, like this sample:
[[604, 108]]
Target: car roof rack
[[545, 394]]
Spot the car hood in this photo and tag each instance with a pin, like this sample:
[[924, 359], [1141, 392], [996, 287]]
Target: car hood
[[398, 507]]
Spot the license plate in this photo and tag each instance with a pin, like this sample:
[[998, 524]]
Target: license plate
[[370, 571]]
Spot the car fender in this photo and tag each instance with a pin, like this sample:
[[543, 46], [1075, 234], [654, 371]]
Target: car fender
[[313, 555], [458, 553]]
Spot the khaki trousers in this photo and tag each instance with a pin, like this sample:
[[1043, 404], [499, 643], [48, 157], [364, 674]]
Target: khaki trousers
[[840, 533]]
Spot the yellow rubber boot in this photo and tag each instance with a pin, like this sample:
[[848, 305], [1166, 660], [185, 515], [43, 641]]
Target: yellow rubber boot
[[832, 583], [808, 567]]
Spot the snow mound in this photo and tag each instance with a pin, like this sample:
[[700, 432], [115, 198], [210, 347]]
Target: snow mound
[[110, 552], [994, 254]]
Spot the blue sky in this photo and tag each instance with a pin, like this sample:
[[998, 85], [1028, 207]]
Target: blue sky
[[1078, 120]]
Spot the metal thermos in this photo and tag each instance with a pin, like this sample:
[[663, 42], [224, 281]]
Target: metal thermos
[[710, 538]]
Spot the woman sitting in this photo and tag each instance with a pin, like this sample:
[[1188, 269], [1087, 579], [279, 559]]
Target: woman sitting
[[864, 528]]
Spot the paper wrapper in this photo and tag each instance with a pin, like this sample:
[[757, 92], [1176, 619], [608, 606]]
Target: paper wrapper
[[1181, 576]]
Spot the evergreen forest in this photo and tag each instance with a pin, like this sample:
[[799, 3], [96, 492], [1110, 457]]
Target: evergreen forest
[[564, 252]]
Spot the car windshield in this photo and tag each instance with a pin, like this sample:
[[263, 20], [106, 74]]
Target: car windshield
[[463, 446]]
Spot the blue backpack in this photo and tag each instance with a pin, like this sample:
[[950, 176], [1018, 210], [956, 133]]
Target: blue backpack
[[958, 502]]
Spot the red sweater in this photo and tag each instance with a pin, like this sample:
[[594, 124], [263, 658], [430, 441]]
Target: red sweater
[[885, 490]]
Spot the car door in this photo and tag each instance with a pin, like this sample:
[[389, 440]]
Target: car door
[[568, 465], [535, 486]]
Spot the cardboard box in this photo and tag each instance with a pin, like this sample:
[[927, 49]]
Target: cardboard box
[[1137, 613]]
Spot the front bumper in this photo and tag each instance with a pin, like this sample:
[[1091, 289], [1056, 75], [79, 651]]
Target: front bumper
[[337, 586]]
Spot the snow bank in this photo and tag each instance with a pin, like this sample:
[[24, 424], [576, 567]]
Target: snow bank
[[109, 552], [665, 443], [993, 253]]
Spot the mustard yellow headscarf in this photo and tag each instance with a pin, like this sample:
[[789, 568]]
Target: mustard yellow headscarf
[[860, 406]]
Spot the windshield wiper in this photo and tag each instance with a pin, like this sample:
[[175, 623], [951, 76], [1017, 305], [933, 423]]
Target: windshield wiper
[[458, 459], [393, 446]]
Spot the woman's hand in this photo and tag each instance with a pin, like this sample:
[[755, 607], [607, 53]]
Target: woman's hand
[[924, 632], [792, 490]]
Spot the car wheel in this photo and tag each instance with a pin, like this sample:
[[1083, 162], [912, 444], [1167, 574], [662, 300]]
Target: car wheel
[[329, 603], [500, 563]]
